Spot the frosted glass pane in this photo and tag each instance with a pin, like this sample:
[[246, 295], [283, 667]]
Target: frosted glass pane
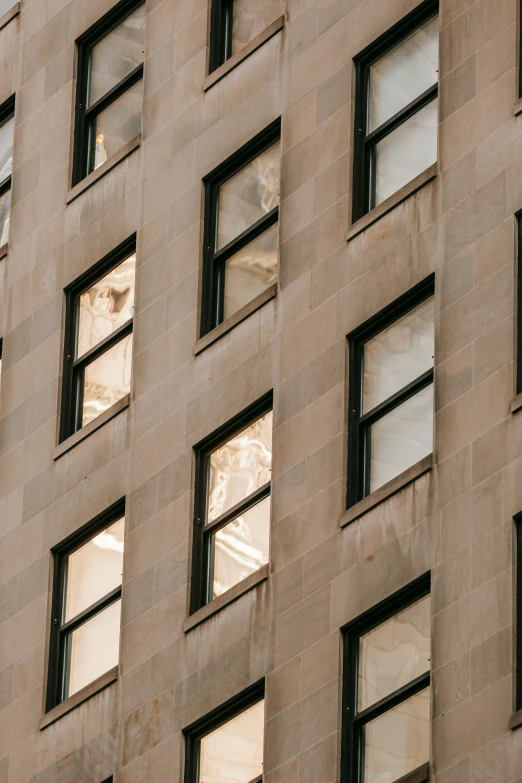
[[248, 195], [118, 124], [106, 306], [406, 152], [251, 271], [398, 741], [398, 355], [394, 653], [117, 55], [94, 570], [401, 438], [403, 74], [6, 5], [107, 379], [241, 547], [240, 467], [5, 217], [250, 17], [94, 648], [6, 148], [234, 752]]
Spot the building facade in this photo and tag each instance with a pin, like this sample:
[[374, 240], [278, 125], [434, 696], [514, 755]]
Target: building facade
[[260, 391]]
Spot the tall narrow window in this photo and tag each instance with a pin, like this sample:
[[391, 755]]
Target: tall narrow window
[[519, 307], [227, 745], [391, 392], [98, 350], [235, 23], [241, 228], [232, 504], [1, 346], [85, 634], [396, 117], [110, 86], [386, 691], [6, 168], [518, 653]]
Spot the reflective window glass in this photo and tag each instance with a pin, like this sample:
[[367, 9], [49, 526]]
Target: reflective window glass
[[5, 217], [233, 753], [241, 547], [248, 195], [118, 124], [250, 17], [6, 5], [107, 379], [403, 74], [93, 648], [394, 653], [94, 570], [251, 270], [398, 355], [117, 55], [6, 149], [240, 466]]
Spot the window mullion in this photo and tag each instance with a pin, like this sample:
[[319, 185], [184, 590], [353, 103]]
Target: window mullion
[[397, 399], [389, 702], [75, 622], [401, 116], [105, 345], [240, 508], [251, 233], [114, 93]]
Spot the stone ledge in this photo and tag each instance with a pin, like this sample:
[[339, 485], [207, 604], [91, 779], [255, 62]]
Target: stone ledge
[[70, 442], [419, 775], [100, 172], [387, 490], [261, 575], [245, 52], [6, 18], [393, 201], [235, 319], [74, 701]]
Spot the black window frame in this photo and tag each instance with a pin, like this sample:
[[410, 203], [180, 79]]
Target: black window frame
[[352, 736], [518, 379], [359, 425], [213, 720], [517, 519], [364, 143], [201, 573], [72, 384], [220, 33], [214, 261], [84, 117], [57, 676], [7, 112]]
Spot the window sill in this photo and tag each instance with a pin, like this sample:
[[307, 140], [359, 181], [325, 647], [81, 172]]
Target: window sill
[[245, 52], [419, 775], [387, 490], [235, 319], [516, 404], [516, 720], [70, 442], [3, 250], [255, 579], [74, 701], [517, 109], [100, 172], [393, 201], [6, 18]]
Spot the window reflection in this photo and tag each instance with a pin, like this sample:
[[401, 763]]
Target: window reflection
[[250, 17], [251, 271], [233, 753], [94, 648], [107, 380]]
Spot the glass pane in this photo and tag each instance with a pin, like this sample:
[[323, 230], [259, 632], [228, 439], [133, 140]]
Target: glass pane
[[107, 379], [250, 17], [6, 148], [5, 217], [401, 438], [234, 752], [248, 195], [6, 5], [118, 124], [117, 55], [398, 355], [241, 547], [394, 653], [94, 570], [251, 271], [398, 741], [94, 648], [403, 74], [406, 152], [240, 467], [106, 306]]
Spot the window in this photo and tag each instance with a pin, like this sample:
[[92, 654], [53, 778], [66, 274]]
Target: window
[[391, 392], [396, 108], [85, 631], [386, 690], [1, 346], [227, 745], [98, 350], [5, 6], [232, 503], [110, 86], [235, 23], [518, 653], [6, 167], [241, 228], [519, 307]]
